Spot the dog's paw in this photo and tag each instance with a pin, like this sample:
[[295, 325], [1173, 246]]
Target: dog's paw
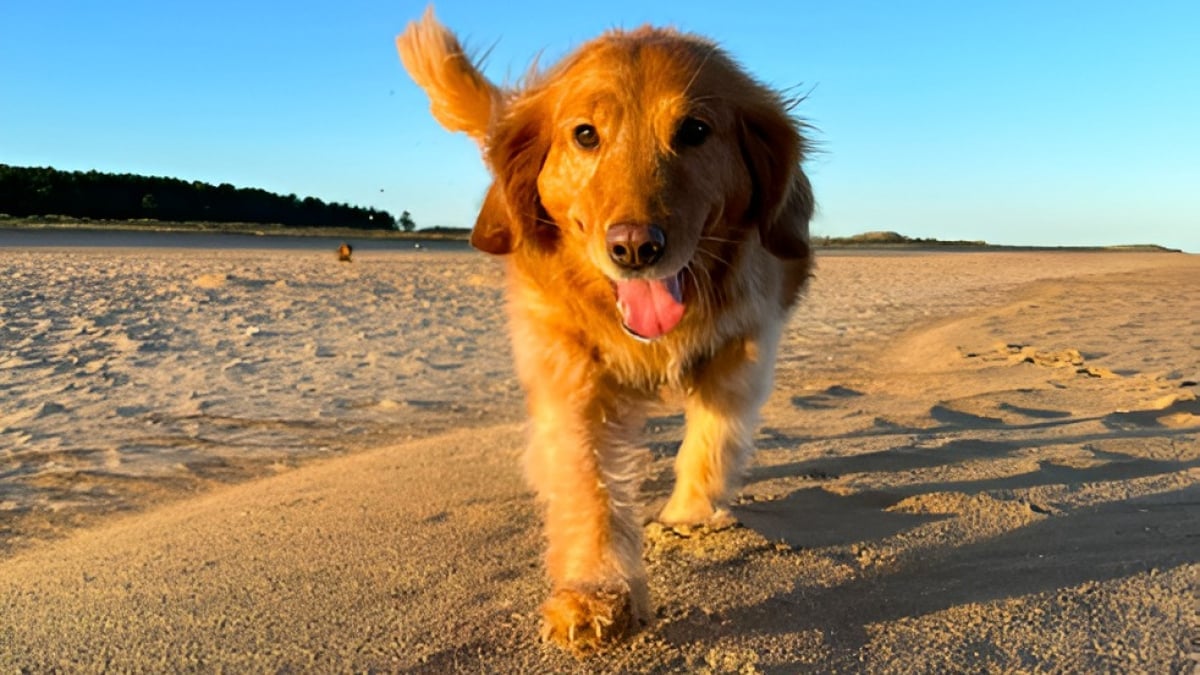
[[695, 514], [656, 531], [583, 621]]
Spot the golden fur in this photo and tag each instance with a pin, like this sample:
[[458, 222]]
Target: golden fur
[[734, 204]]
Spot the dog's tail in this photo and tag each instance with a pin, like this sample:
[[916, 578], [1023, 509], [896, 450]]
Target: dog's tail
[[460, 97]]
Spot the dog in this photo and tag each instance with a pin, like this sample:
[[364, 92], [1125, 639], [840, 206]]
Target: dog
[[344, 252], [649, 200]]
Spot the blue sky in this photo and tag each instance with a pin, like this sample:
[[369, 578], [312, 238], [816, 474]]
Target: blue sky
[[1015, 122]]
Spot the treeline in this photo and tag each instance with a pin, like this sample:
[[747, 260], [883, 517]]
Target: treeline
[[37, 191]]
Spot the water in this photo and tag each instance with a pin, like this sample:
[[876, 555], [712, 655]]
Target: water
[[66, 238]]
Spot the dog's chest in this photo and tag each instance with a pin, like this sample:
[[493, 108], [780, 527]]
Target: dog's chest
[[651, 367]]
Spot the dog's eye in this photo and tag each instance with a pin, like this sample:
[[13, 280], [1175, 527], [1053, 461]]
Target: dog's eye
[[586, 136], [691, 132]]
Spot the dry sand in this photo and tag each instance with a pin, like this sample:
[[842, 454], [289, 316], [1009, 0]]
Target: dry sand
[[267, 461]]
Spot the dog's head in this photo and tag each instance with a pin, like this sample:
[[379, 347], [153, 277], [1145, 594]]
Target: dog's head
[[649, 156]]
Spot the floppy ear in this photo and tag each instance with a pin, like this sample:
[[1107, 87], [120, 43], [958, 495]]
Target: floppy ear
[[512, 212], [460, 97], [786, 236], [782, 203], [492, 232]]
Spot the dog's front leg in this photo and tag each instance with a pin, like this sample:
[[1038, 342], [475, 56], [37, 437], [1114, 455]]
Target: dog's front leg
[[722, 411], [586, 475]]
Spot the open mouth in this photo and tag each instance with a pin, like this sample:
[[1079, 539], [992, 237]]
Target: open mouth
[[650, 308]]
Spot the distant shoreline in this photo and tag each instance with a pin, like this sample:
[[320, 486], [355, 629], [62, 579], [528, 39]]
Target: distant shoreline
[[64, 237], [251, 229], [952, 247], [453, 236]]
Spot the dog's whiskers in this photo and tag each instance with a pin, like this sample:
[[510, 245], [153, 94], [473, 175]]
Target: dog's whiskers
[[715, 257], [707, 294]]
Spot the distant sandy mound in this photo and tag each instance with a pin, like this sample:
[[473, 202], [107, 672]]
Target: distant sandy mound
[[879, 237]]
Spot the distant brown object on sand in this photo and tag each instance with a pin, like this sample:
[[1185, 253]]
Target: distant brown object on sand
[[344, 251]]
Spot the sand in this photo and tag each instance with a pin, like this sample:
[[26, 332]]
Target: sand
[[264, 460]]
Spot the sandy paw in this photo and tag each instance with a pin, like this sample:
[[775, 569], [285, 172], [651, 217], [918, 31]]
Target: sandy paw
[[584, 621], [656, 531], [695, 514]]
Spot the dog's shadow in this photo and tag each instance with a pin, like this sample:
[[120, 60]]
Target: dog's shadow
[[1050, 550], [1065, 559]]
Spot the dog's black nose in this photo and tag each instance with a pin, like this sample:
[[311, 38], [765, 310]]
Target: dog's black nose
[[634, 246]]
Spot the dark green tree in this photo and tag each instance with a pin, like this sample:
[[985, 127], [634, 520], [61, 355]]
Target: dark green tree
[[42, 191], [406, 222]]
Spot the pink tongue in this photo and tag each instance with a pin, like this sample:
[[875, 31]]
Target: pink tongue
[[650, 307]]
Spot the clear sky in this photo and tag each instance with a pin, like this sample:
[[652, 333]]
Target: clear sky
[[1039, 122]]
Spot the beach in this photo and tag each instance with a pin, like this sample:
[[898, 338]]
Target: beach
[[256, 458]]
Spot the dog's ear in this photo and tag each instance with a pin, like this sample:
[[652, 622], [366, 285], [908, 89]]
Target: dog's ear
[[786, 235], [460, 97], [492, 232], [512, 211], [782, 203]]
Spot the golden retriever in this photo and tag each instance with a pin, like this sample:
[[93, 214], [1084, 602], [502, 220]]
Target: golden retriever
[[650, 203]]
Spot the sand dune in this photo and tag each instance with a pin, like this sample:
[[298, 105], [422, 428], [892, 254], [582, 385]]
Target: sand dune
[[973, 461]]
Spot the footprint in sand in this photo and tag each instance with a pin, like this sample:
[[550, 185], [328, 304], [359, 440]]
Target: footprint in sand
[[826, 398], [1174, 411]]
